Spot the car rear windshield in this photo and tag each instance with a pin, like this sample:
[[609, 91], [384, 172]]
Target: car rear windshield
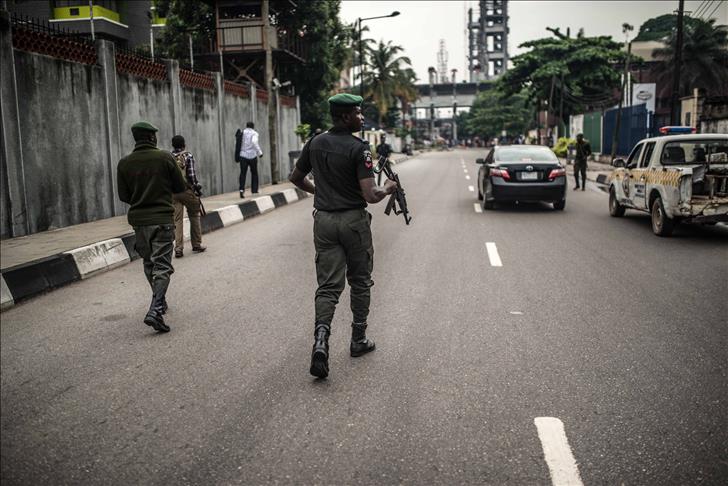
[[524, 153], [691, 151]]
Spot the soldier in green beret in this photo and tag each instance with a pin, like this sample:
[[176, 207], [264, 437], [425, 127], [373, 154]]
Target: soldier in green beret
[[343, 170], [146, 180]]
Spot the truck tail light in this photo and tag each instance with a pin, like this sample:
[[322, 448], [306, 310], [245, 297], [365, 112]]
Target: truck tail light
[[500, 173], [557, 173]]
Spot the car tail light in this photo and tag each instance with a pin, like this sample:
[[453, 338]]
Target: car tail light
[[557, 173], [500, 173]]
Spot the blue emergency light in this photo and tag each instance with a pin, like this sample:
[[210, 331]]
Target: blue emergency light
[[676, 130]]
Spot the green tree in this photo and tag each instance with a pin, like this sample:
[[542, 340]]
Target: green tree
[[386, 78], [704, 58], [327, 45], [588, 66], [494, 111], [184, 18], [328, 50], [660, 28]]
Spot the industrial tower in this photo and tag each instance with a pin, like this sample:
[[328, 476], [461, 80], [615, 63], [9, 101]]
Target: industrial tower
[[488, 40], [442, 58]]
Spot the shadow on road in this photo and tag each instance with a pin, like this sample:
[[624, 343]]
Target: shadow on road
[[525, 207], [683, 231]]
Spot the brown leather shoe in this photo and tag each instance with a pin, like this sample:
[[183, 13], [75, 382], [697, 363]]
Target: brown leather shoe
[[199, 249]]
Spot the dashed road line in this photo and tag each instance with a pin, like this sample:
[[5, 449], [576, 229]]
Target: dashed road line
[[465, 170], [477, 208], [560, 460], [471, 188], [493, 256], [467, 177]]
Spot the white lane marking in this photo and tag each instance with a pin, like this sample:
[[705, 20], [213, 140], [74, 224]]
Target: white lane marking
[[561, 462], [471, 188], [462, 160], [477, 207], [467, 177], [465, 170], [517, 313], [493, 256]]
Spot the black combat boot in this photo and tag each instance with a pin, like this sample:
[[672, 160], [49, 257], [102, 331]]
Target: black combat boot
[[154, 316], [320, 352], [360, 345]]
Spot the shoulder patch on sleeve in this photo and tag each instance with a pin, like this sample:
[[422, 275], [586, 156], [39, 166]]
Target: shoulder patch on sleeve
[[368, 159]]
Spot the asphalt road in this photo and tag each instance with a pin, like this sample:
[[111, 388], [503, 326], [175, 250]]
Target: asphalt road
[[591, 320]]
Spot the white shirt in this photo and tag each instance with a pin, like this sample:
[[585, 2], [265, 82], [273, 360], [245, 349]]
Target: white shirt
[[250, 149]]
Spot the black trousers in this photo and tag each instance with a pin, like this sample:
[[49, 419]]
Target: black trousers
[[580, 168], [253, 164]]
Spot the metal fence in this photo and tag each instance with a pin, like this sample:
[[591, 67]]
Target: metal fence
[[636, 123]]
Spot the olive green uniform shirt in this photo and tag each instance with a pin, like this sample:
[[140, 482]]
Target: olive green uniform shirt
[[338, 161], [146, 180]]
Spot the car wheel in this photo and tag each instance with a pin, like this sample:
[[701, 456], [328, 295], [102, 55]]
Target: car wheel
[[560, 205], [662, 225], [480, 193], [488, 204], [615, 209]]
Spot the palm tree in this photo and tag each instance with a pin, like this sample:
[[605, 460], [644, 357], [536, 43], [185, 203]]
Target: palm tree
[[704, 58], [386, 77]]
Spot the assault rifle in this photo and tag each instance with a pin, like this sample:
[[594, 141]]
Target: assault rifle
[[397, 198]]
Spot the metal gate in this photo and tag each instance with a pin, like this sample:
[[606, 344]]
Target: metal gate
[[636, 123]]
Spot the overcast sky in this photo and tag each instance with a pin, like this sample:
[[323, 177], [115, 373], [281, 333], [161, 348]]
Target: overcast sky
[[421, 24]]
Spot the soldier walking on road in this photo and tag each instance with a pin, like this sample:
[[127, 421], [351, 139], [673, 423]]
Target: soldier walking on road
[[583, 150], [189, 199], [146, 180], [343, 169], [383, 150]]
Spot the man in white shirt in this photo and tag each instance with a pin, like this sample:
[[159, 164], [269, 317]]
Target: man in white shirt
[[249, 153]]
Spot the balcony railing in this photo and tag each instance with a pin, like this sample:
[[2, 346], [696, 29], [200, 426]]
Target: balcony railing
[[243, 36]]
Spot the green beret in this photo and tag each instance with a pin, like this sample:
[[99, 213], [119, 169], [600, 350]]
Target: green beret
[[144, 125], [345, 99]]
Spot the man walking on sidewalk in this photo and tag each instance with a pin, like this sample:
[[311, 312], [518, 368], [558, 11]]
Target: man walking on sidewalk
[[343, 169], [189, 199], [146, 180], [249, 153], [583, 150]]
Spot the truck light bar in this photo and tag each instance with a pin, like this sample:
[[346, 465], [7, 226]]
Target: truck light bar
[[675, 130]]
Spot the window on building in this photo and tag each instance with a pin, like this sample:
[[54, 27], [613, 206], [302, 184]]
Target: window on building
[[107, 4]]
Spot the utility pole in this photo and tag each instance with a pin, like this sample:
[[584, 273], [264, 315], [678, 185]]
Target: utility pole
[[91, 18], [549, 111], [626, 28], [674, 103], [272, 94], [454, 106], [192, 58]]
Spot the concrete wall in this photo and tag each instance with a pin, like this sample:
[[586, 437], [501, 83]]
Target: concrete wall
[[74, 121]]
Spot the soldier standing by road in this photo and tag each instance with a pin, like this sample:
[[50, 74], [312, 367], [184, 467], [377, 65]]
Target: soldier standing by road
[[146, 180], [343, 170], [583, 150], [383, 150], [189, 199]]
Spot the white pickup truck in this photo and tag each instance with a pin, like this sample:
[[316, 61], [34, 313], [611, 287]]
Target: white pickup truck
[[676, 178]]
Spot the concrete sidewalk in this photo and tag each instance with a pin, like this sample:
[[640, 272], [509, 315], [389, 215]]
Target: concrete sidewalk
[[31, 265]]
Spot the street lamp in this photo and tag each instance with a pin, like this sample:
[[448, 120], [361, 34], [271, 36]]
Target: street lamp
[[361, 58]]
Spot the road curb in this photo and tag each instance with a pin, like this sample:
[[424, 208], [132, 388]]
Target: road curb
[[28, 280]]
